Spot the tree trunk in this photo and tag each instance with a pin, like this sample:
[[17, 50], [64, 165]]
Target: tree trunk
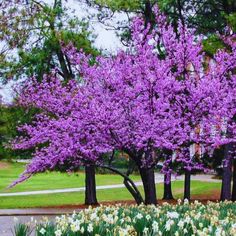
[[130, 185], [187, 184], [167, 187], [148, 179], [180, 15], [90, 186], [234, 181], [148, 14], [65, 70], [227, 175], [136, 194]]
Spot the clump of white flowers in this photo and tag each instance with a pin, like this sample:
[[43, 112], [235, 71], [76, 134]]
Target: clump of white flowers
[[184, 218]]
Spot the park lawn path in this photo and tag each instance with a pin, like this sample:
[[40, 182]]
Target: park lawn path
[[159, 178]]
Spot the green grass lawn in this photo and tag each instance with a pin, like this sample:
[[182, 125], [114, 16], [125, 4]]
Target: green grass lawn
[[56, 180], [51, 180], [198, 188]]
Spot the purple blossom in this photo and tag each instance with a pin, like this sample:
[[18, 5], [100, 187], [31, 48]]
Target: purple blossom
[[154, 96]]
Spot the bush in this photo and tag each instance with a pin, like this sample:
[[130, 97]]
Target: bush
[[181, 219]]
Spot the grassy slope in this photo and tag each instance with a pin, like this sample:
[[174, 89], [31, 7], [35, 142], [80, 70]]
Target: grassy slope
[[52, 180], [197, 188]]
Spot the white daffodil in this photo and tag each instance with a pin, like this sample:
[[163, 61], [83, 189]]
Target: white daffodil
[[168, 224], [181, 224], [179, 201], [82, 230], [58, 232], [186, 201], [155, 226], [187, 220], [139, 216], [145, 231], [93, 216], [201, 225], [173, 215], [42, 231], [90, 228]]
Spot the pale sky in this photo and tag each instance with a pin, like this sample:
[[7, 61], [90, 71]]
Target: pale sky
[[106, 39]]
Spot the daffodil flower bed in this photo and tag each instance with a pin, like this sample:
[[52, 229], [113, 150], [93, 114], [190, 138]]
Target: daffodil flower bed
[[218, 219]]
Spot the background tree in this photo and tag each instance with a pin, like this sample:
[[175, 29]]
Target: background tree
[[207, 16], [32, 32], [11, 117]]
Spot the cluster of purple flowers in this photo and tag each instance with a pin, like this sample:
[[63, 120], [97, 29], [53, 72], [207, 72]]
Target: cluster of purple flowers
[[155, 97]]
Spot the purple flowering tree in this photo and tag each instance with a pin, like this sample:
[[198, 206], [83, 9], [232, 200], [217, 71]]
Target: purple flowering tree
[[164, 78], [144, 101], [62, 147], [224, 67], [65, 132]]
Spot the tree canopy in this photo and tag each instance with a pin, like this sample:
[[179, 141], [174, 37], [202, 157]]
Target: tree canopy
[[138, 101]]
